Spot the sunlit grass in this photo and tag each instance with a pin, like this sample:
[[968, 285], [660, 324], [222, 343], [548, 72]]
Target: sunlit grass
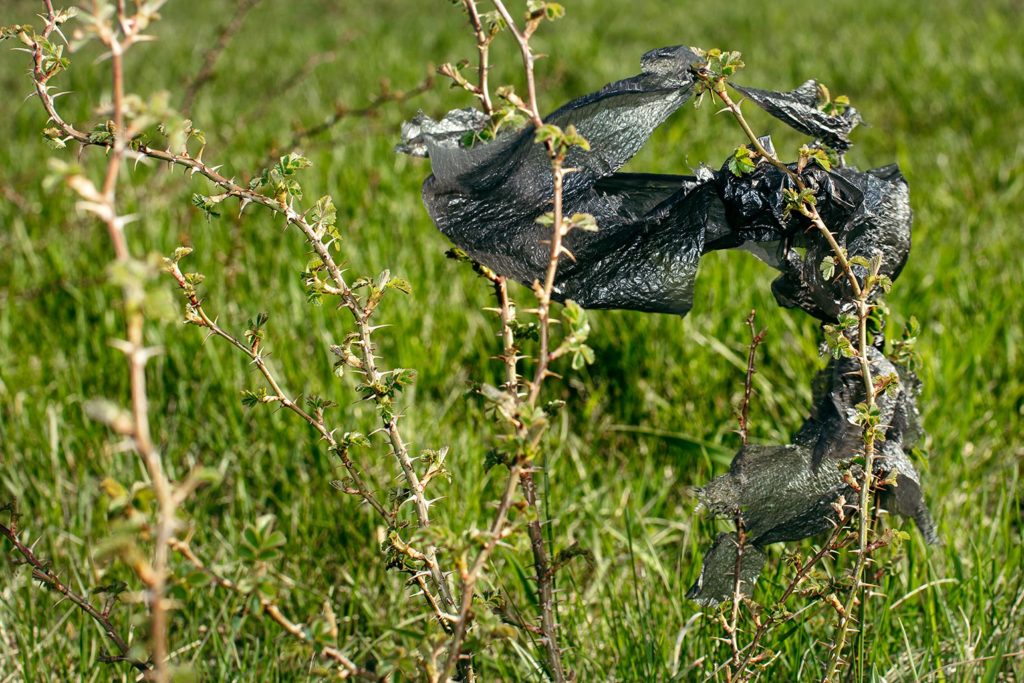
[[943, 90]]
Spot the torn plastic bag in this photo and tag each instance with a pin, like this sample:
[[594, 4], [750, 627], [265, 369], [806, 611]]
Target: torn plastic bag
[[799, 110], [653, 229], [786, 493]]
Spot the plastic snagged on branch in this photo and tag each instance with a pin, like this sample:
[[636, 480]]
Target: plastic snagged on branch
[[652, 231], [786, 493]]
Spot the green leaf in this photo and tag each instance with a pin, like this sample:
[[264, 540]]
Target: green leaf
[[741, 162], [290, 164], [582, 221], [584, 355], [207, 205], [548, 132], [553, 11], [399, 284], [817, 155], [828, 267], [355, 439]]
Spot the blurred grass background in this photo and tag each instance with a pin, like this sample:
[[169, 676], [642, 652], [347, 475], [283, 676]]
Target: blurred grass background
[[942, 88]]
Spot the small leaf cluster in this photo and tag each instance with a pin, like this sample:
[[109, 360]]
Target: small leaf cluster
[[561, 141], [207, 204], [832, 106], [577, 331], [260, 542], [280, 178], [255, 330], [742, 161], [384, 391], [868, 417], [798, 201], [718, 66], [723, 63], [544, 10], [820, 155], [510, 113], [874, 277], [837, 337], [577, 221], [376, 288], [905, 351]]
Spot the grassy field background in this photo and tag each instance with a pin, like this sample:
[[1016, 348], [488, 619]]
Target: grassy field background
[[941, 85]]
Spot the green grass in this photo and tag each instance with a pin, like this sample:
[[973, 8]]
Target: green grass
[[942, 86]]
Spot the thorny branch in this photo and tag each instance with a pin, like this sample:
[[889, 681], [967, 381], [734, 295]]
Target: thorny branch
[[42, 572], [739, 671], [198, 316], [521, 468], [444, 603], [861, 300], [118, 36], [483, 45], [732, 627], [361, 313], [748, 384]]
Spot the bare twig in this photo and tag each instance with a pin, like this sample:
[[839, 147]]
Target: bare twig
[[343, 111], [273, 610], [755, 339], [213, 53]]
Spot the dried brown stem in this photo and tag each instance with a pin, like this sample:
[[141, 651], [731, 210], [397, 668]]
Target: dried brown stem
[[213, 53], [273, 610], [748, 384]]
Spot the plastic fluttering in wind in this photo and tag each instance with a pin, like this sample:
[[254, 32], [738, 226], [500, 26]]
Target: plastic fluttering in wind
[[653, 230]]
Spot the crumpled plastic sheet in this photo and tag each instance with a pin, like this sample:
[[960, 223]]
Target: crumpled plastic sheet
[[786, 493], [654, 228], [652, 232]]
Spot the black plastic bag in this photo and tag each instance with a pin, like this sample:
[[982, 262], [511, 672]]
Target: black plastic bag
[[786, 493], [653, 229]]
